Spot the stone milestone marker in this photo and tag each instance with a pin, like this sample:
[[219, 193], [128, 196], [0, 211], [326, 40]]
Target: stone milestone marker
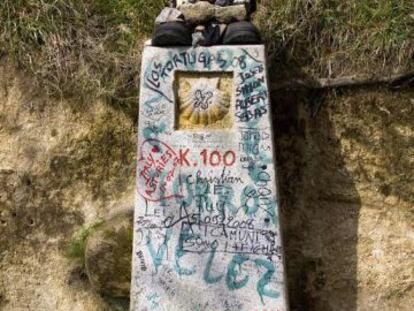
[[206, 227]]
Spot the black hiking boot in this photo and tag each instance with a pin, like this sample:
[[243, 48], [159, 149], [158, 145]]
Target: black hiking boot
[[171, 34], [241, 33]]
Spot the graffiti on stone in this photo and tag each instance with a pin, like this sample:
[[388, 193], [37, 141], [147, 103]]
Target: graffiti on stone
[[206, 230]]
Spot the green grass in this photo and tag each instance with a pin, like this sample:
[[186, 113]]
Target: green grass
[[79, 49], [86, 49], [335, 37], [76, 247]]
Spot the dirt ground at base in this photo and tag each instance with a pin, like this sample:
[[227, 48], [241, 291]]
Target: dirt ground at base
[[347, 198]]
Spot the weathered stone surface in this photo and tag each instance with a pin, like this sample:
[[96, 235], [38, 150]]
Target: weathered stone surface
[[108, 256], [202, 11], [198, 12], [228, 14]]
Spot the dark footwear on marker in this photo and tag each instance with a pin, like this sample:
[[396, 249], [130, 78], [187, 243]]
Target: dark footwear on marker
[[171, 34], [241, 33]]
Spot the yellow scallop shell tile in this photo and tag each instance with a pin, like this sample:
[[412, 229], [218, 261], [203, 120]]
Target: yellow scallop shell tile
[[204, 100]]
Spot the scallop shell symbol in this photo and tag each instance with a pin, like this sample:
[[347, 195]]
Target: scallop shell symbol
[[204, 102]]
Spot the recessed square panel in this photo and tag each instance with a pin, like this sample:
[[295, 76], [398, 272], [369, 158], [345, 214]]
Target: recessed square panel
[[204, 100]]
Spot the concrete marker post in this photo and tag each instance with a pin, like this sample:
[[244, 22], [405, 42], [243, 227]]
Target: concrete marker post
[[206, 226]]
